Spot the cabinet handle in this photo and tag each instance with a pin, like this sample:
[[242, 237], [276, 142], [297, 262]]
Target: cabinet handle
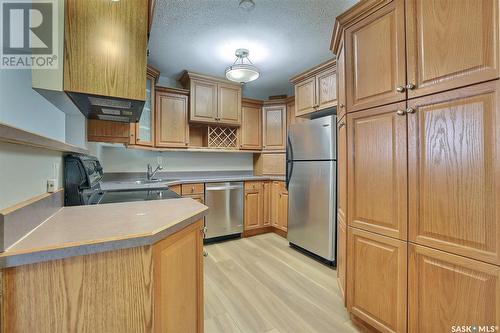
[[342, 124], [410, 110], [410, 86], [400, 89], [341, 105], [400, 113]]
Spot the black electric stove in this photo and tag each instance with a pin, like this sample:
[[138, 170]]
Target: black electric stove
[[82, 185]]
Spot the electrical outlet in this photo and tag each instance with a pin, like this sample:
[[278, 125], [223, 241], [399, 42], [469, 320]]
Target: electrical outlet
[[51, 185]]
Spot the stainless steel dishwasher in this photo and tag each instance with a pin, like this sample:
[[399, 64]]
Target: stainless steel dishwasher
[[225, 217]]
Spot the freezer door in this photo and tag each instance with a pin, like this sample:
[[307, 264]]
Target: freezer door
[[311, 218], [313, 140]]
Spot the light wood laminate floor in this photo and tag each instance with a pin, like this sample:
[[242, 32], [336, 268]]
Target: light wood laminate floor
[[260, 284]]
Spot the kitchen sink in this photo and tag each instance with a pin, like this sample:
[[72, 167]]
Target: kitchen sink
[[146, 181]]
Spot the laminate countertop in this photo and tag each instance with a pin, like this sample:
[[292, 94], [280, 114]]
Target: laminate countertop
[[81, 230], [130, 184]]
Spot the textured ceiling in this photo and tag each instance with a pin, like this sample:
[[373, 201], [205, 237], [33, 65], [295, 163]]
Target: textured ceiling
[[284, 37]]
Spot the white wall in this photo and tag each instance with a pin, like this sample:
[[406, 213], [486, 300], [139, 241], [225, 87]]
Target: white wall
[[23, 107], [118, 159], [24, 172]]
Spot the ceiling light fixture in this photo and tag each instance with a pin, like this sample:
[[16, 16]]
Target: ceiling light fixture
[[247, 5], [242, 71]]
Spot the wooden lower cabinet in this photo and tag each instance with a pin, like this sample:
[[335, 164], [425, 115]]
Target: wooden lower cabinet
[[178, 282], [266, 206], [446, 291], [143, 289], [377, 280], [266, 191], [341, 257], [254, 206], [279, 206], [198, 197]]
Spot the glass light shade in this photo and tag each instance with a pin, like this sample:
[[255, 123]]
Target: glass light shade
[[242, 73]]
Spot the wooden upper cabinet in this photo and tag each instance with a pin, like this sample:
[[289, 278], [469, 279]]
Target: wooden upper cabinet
[[143, 132], [315, 89], [105, 48], [326, 83], [454, 183], [305, 96], [377, 170], [212, 100], [178, 281], [172, 128], [229, 104], [377, 280], [451, 44], [341, 101], [251, 126], [375, 58], [203, 101], [274, 127], [446, 290]]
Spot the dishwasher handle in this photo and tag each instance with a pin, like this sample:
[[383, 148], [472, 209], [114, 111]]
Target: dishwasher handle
[[223, 188]]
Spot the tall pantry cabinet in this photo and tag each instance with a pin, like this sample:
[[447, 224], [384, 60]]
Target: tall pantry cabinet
[[419, 161]]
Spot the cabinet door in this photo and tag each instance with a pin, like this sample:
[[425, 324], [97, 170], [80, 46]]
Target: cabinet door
[[229, 104], [342, 170], [341, 257], [446, 291], [377, 170], [305, 96], [178, 281], [377, 283], [105, 48], [275, 190], [282, 222], [341, 102], [454, 158], [172, 129], [254, 210], [274, 123], [451, 44], [266, 198], [326, 89], [203, 101], [144, 129], [375, 58], [251, 128]]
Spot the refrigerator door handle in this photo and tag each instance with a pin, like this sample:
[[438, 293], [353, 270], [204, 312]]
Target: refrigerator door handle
[[289, 162]]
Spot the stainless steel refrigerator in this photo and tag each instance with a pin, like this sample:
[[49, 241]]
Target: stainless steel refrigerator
[[311, 182]]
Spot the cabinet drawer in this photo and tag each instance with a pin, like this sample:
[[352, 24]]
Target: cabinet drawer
[[198, 197], [188, 189], [253, 186]]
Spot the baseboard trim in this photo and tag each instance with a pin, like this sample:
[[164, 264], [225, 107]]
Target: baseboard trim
[[264, 230]]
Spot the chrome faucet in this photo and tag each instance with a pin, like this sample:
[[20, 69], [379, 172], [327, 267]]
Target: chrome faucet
[[150, 174]]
